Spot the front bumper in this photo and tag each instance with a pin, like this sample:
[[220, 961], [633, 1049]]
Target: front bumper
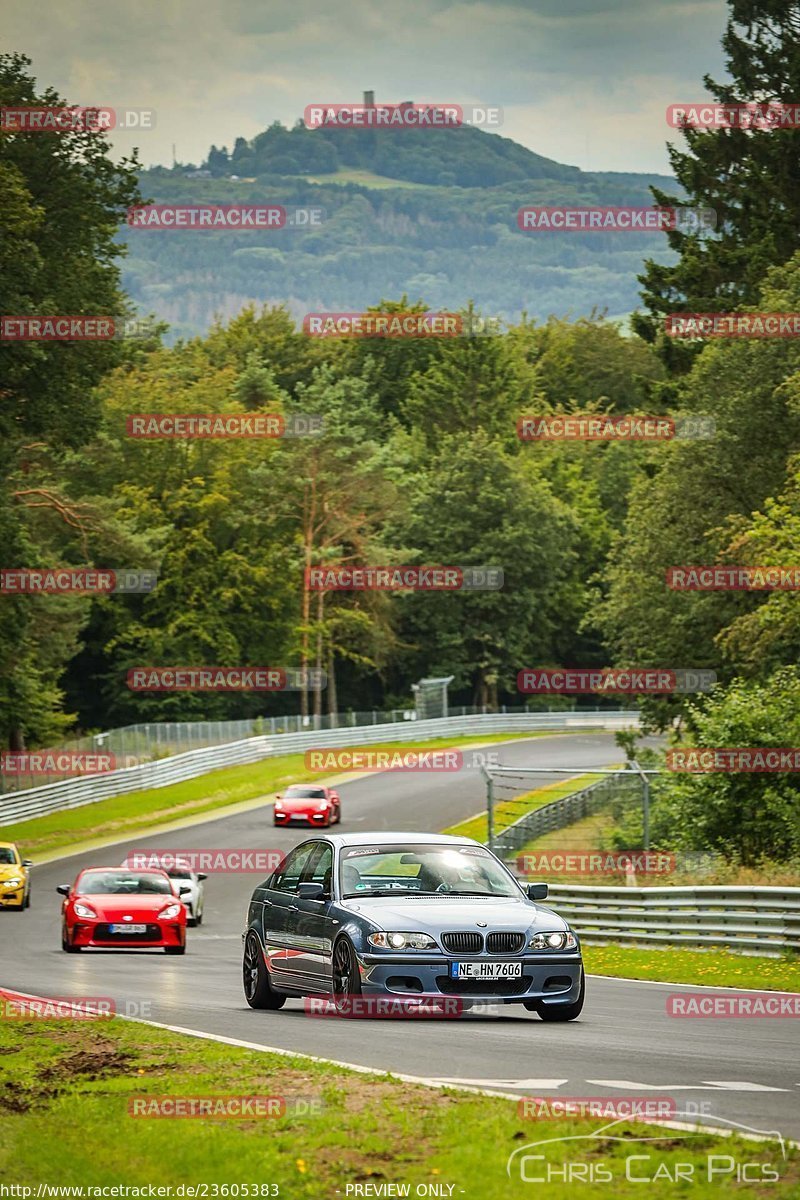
[[96, 934], [317, 818], [553, 978], [14, 898]]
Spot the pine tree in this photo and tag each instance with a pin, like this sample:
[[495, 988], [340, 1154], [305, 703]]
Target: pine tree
[[751, 178]]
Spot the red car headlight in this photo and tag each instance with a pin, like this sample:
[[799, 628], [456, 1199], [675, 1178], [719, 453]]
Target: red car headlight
[[84, 910]]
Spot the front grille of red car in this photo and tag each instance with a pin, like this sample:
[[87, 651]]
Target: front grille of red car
[[102, 933]]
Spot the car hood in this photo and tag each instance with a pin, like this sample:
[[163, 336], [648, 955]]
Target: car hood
[[11, 871], [115, 907], [434, 915]]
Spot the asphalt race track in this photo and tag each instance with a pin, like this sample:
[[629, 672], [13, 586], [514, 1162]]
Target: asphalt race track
[[739, 1070]]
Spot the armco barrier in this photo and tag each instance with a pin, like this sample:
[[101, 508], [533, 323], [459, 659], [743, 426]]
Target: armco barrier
[[72, 793], [566, 811], [755, 920]]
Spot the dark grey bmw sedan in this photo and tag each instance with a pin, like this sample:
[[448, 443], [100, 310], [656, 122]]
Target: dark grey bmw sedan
[[413, 916]]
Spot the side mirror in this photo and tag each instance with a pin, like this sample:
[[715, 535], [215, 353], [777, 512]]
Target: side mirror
[[184, 889], [201, 875], [310, 891], [26, 862], [63, 889], [537, 891]]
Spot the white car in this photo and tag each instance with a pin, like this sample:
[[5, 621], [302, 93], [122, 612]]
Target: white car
[[190, 885]]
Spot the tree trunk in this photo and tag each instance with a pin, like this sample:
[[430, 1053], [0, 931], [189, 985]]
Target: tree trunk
[[318, 682], [333, 701]]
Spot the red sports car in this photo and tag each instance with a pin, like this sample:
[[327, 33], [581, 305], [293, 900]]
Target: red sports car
[[308, 804], [111, 907]]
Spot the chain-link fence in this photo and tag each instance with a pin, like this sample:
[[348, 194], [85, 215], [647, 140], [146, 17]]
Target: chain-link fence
[[131, 745]]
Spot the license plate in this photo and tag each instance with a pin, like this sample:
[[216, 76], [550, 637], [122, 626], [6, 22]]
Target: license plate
[[127, 928], [486, 970]]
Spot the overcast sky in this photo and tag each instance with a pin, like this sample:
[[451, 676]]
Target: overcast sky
[[583, 81]]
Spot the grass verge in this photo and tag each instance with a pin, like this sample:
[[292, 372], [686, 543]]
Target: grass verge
[[150, 809], [721, 968], [65, 1122], [508, 811]]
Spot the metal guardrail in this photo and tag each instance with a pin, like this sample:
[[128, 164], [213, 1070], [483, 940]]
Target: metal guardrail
[[755, 920], [567, 810], [73, 793]]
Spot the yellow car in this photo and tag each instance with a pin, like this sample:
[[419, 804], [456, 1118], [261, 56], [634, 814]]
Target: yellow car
[[15, 878]]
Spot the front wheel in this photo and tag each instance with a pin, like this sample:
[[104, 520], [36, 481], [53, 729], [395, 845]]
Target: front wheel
[[560, 1012], [257, 988], [28, 899], [346, 978], [66, 945], [174, 949]]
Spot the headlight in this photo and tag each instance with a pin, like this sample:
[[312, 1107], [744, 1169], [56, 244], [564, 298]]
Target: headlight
[[83, 910], [553, 941], [12, 883], [172, 910], [402, 941]]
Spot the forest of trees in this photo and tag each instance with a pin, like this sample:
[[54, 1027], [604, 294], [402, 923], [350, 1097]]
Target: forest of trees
[[419, 462]]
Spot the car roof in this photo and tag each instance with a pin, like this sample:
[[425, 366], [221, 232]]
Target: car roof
[[378, 837], [8, 845]]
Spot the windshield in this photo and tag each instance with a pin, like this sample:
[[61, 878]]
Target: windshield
[[422, 870], [122, 883], [7, 856], [179, 873], [307, 792]]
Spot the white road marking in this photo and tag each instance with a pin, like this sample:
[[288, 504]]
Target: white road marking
[[541, 1084], [707, 1085]]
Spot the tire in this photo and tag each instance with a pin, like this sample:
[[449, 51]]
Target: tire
[[199, 920], [28, 899], [346, 978], [66, 946], [174, 949], [255, 977], [562, 1012], [191, 922]]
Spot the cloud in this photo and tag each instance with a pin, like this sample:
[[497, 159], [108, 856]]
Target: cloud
[[586, 82]]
